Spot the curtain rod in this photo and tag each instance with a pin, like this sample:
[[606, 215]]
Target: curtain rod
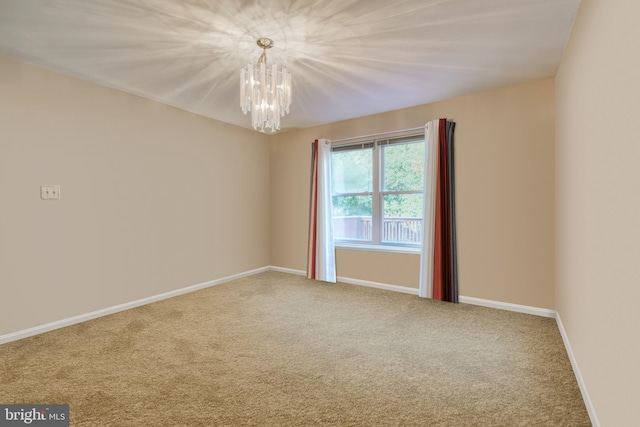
[[373, 135]]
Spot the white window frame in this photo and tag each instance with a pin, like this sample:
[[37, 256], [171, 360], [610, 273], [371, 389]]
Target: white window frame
[[377, 214]]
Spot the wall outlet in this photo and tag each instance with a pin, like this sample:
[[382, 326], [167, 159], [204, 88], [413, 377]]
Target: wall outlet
[[50, 192]]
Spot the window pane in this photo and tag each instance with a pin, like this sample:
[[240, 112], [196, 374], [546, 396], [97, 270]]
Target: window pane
[[352, 171], [352, 217], [402, 221], [403, 167]]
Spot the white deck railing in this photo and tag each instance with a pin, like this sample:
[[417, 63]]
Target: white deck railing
[[405, 230]]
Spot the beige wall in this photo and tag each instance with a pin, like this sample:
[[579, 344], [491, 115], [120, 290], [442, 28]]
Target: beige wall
[[153, 198], [505, 186], [598, 205], [405, 270]]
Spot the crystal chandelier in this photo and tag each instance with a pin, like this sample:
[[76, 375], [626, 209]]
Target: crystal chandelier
[[265, 91]]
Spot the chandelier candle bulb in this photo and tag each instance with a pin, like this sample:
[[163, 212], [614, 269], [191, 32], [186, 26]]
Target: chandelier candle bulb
[[265, 91]]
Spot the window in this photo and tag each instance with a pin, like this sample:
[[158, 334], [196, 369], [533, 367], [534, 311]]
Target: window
[[377, 191]]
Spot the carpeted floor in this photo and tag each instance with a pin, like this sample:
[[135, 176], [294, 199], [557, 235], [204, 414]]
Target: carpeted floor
[[279, 350]]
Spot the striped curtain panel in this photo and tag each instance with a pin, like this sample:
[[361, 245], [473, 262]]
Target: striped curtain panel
[[438, 264], [321, 262]]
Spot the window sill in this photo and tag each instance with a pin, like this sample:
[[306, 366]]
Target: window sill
[[377, 248]]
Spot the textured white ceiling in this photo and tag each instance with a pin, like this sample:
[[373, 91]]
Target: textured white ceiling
[[348, 58]]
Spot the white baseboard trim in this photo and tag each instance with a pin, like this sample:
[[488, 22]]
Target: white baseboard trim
[[576, 370], [544, 312], [341, 279], [414, 291], [13, 336], [377, 285], [288, 270]]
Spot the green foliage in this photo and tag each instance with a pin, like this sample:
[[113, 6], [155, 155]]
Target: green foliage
[[352, 206], [403, 167], [402, 170], [402, 205]]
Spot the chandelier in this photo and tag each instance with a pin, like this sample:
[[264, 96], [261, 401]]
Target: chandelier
[[265, 91]]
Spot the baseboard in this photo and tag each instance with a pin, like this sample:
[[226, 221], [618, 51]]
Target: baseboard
[[544, 312], [414, 291], [288, 270], [13, 336], [576, 370], [341, 279], [492, 304], [377, 285]]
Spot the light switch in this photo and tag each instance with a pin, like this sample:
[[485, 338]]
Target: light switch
[[50, 192]]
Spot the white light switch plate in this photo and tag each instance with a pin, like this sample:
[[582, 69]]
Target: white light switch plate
[[50, 192]]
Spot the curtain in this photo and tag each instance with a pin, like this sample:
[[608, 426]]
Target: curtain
[[438, 264], [321, 262]]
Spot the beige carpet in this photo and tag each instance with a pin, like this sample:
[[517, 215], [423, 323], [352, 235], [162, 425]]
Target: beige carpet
[[280, 350]]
